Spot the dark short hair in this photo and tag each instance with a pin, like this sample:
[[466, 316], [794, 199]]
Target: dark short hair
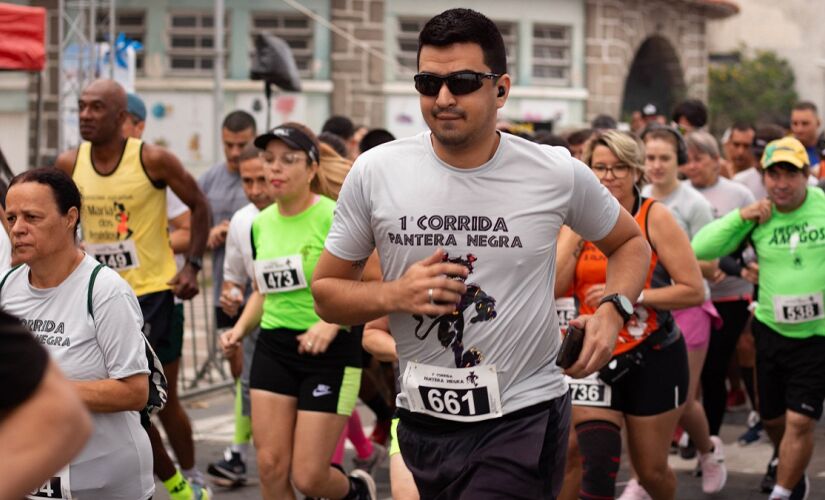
[[579, 136], [466, 26], [65, 191], [604, 122], [340, 126], [742, 127], [693, 110], [805, 105], [238, 121], [375, 137], [335, 142], [551, 139], [765, 134], [249, 152]]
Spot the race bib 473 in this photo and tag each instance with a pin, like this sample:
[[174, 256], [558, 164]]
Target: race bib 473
[[280, 275]]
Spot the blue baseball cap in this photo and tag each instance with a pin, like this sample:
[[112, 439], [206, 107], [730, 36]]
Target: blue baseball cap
[[135, 106]]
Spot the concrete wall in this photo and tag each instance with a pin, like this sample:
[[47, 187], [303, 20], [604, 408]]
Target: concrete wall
[[794, 29]]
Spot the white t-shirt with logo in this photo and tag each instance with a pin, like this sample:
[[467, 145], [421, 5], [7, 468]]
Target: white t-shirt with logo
[[116, 462], [500, 219]]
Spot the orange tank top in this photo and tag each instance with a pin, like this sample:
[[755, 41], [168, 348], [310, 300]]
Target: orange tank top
[[591, 269]]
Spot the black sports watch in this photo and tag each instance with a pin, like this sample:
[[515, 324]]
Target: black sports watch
[[621, 303], [196, 262]]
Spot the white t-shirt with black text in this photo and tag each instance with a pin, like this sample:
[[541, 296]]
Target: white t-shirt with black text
[[116, 462], [501, 220]]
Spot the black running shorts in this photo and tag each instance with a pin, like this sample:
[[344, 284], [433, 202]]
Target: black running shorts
[[659, 385], [158, 310], [790, 373], [326, 383], [517, 456]]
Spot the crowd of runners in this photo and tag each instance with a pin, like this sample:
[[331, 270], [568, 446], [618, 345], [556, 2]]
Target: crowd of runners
[[432, 277]]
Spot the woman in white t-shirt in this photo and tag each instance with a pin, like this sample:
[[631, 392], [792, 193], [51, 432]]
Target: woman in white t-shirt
[[93, 333], [665, 150]]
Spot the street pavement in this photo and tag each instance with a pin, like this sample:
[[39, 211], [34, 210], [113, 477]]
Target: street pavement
[[212, 423]]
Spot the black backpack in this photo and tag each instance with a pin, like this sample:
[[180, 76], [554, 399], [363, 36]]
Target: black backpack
[[158, 384]]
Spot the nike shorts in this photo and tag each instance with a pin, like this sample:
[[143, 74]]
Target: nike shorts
[[327, 383]]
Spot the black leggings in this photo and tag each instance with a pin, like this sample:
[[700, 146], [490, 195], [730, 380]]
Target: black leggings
[[722, 346]]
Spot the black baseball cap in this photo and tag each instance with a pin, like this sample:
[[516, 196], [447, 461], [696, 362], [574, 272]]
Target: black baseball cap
[[292, 137]]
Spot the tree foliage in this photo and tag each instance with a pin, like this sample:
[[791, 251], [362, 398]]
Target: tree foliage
[[756, 89]]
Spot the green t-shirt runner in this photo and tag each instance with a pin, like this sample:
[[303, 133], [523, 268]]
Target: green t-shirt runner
[[791, 251], [286, 250]]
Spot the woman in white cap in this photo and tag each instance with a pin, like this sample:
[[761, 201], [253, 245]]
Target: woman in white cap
[[306, 373]]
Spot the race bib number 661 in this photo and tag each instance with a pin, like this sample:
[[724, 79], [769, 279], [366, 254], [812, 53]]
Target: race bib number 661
[[459, 394]]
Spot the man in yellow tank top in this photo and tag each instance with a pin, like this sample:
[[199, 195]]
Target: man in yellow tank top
[[123, 182]]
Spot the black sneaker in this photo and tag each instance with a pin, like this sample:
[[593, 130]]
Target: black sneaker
[[364, 485], [688, 451], [801, 490], [230, 472], [769, 479]]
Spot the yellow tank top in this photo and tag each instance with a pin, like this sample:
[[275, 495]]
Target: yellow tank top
[[124, 221]]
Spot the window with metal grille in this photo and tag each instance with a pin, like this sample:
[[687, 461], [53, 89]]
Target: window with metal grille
[[130, 22], [190, 42], [407, 49], [296, 30], [551, 54]]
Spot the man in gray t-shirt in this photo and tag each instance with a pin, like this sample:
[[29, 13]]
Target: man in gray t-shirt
[[465, 222], [223, 189]]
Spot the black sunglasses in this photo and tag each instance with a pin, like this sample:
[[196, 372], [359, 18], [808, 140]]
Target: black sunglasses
[[459, 83]]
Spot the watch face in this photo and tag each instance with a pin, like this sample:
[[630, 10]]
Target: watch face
[[626, 305]]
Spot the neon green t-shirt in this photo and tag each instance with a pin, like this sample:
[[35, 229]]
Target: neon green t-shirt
[[790, 248], [285, 251]]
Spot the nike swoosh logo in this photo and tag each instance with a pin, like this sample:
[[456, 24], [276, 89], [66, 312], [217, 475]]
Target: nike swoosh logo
[[318, 393]]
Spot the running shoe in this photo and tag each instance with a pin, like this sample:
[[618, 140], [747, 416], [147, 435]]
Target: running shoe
[[200, 492], [687, 450], [737, 400], [376, 458], [714, 472], [769, 479], [230, 472], [634, 491], [364, 485], [754, 432], [801, 490]]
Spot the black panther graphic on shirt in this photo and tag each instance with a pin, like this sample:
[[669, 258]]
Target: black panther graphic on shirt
[[451, 326]]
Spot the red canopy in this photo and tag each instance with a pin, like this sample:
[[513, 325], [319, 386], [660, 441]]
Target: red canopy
[[22, 37]]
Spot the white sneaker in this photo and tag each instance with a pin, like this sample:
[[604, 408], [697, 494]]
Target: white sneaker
[[634, 491], [365, 485], [714, 472]]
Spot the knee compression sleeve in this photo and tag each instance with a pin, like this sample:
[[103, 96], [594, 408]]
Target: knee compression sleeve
[[600, 445]]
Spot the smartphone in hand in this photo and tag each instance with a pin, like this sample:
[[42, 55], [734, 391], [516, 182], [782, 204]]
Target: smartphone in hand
[[571, 347]]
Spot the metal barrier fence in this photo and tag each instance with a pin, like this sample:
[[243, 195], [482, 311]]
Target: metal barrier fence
[[202, 367]]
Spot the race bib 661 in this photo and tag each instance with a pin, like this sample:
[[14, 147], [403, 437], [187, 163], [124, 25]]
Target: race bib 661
[[459, 394]]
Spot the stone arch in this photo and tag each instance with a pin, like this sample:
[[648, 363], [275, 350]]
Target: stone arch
[[655, 76]]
